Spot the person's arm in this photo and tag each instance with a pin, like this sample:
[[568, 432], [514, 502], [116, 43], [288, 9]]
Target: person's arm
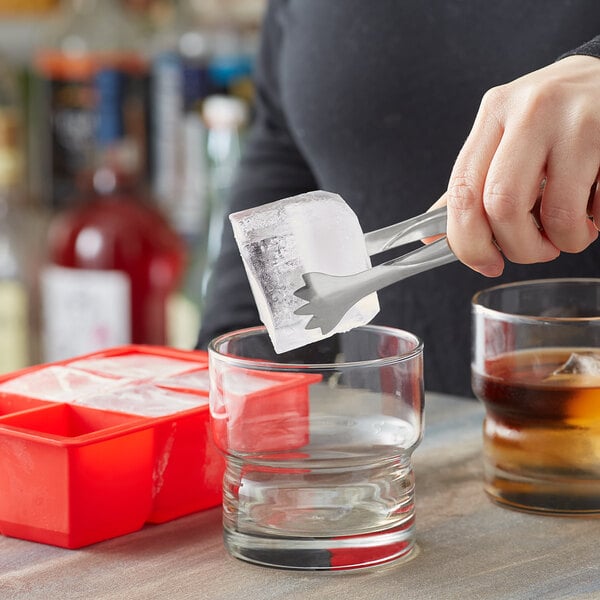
[[271, 168], [542, 127]]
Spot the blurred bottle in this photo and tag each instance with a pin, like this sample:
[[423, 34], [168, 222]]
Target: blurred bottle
[[15, 305], [86, 36], [179, 86], [180, 83], [114, 259], [226, 118]]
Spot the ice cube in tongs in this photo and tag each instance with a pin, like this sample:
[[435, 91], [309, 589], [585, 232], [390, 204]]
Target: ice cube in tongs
[[307, 255]]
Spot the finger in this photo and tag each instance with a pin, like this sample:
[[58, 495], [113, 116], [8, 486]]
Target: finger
[[511, 189], [571, 172], [469, 233]]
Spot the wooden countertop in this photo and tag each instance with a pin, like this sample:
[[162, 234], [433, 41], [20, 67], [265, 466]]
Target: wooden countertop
[[468, 548]]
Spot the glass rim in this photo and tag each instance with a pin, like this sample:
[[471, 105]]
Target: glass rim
[[476, 304], [269, 365]]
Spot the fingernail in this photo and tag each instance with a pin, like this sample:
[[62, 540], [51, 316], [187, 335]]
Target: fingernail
[[551, 254], [493, 270]]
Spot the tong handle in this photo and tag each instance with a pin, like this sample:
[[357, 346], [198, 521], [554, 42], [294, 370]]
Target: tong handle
[[411, 230], [428, 256]]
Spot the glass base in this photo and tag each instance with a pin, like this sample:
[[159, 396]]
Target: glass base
[[325, 554], [556, 495], [337, 514]]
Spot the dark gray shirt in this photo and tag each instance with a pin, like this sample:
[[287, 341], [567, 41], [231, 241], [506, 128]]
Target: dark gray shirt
[[373, 100]]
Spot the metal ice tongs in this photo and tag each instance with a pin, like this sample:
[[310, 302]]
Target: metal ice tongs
[[329, 297]]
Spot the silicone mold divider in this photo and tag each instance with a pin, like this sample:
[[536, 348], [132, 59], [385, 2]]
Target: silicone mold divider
[[12, 403]]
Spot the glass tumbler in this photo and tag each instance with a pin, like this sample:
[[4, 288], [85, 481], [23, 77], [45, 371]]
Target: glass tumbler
[[318, 445], [536, 368]]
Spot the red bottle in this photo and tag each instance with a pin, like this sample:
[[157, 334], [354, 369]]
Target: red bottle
[[114, 260]]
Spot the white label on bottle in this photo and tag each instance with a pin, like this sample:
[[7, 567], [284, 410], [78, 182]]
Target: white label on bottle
[[84, 310], [183, 321], [13, 326]]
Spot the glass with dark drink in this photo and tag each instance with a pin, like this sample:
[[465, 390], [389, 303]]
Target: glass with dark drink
[[536, 368]]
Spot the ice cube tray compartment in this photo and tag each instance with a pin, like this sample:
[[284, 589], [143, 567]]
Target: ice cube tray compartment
[[72, 476]]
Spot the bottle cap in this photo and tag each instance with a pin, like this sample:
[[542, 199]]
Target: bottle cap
[[222, 112]]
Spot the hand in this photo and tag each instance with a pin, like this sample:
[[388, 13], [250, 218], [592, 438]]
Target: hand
[[541, 128]]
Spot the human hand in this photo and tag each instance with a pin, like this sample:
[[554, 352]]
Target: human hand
[[541, 128]]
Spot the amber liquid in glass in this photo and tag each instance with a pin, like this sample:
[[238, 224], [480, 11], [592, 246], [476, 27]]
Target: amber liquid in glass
[[541, 431]]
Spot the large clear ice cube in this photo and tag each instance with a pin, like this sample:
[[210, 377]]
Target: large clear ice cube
[[239, 383], [193, 380], [282, 240], [144, 400], [134, 366], [58, 383]]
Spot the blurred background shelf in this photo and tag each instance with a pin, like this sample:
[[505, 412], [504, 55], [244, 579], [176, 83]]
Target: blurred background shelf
[[115, 113]]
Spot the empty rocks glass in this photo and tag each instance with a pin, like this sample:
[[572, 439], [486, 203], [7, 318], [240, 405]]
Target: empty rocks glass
[[318, 445]]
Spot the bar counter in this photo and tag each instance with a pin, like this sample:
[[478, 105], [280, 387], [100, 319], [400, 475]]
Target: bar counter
[[468, 548]]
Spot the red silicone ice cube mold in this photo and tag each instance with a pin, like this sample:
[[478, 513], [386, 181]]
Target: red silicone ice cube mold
[[73, 473], [96, 446]]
